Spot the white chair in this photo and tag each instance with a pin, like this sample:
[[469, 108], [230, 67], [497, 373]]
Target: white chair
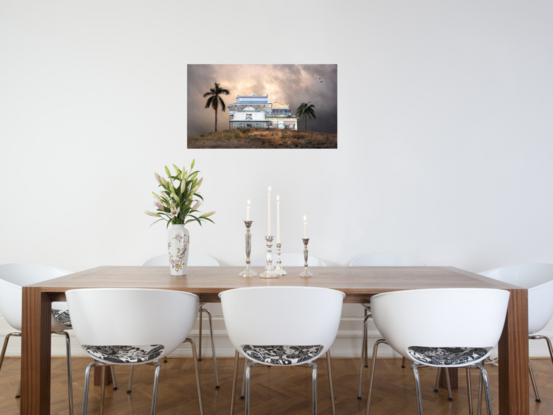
[[144, 326], [450, 338], [194, 260], [277, 326], [289, 260], [12, 279], [381, 260], [538, 279]]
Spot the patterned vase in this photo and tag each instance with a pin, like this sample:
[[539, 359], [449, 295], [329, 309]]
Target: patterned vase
[[178, 245]]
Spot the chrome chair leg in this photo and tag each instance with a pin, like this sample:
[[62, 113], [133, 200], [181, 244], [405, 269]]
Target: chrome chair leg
[[4, 348], [156, 384], [195, 358], [417, 386], [403, 363], [18, 394], [129, 390], [448, 383], [113, 378], [86, 386], [213, 348], [363, 356], [69, 376], [314, 382], [103, 390], [480, 384], [533, 381], [371, 378], [469, 390], [330, 382], [234, 378], [247, 377], [200, 335], [449, 395], [437, 386], [243, 394], [484, 374], [366, 339]]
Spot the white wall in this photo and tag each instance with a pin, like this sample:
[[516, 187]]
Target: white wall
[[444, 131]]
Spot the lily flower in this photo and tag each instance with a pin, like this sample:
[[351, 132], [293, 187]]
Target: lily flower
[[158, 205], [155, 215], [158, 178], [207, 215], [174, 211], [197, 205]]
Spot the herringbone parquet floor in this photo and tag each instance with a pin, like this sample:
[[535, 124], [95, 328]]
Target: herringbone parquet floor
[[275, 391]]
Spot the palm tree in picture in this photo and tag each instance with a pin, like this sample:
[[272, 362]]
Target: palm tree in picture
[[306, 110], [215, 100]]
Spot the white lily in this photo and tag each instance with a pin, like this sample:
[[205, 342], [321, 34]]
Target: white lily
[[155, 215], [207, 215], [197, 205], [174, 211]]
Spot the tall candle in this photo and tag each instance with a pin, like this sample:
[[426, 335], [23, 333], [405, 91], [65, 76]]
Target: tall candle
[[278, 219], [305, 227], [269, 212], [248, 211]]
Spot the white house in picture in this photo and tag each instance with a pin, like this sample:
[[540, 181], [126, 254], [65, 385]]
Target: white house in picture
[[255, 111], [249, 117]]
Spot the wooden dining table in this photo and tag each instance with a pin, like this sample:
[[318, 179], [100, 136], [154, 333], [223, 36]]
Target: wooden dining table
[[358, 283]]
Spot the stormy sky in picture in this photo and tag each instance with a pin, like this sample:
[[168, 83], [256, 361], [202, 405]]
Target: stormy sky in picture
[[285, 84]]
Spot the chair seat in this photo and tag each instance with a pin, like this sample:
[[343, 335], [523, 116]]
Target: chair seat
[[446, 356], [282, 355], [62, 317], [125, 354]]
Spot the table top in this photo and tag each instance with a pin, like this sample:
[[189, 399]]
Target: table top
[[358, 283]]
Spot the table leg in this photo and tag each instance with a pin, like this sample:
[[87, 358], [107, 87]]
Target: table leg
[[36, 352], [453, 378], [514, 390], [98, 376]]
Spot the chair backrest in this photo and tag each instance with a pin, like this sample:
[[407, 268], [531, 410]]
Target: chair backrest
[[194, 260], [538, 279], [13, 277], [132, 317], [289, 260], [385, 260], [449, 317], [282, 316]]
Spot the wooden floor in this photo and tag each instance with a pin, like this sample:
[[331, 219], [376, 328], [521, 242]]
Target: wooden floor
[[275, 390]]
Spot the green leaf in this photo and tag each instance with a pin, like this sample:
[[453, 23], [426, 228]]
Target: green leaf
[[193, 162]]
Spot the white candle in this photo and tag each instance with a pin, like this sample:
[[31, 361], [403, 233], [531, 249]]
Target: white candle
[[278, 219], [305, 227], [269, 212], [248, 211]]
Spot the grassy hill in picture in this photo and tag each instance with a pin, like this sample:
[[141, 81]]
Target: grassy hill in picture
[[263, 138]]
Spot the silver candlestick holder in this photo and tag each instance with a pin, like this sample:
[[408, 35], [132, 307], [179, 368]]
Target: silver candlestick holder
[[278, 268], [269, 269], [305, 273], [248, 272]]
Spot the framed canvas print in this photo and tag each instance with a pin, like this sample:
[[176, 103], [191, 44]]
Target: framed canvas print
[[262, 106]]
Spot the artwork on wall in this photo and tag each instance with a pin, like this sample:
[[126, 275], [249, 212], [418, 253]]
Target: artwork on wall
[[262, 106]]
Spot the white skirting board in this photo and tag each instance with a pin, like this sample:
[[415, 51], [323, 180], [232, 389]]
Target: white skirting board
[[347, 344]]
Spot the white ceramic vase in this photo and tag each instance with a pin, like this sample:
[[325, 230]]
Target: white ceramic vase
[[178, 245]]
